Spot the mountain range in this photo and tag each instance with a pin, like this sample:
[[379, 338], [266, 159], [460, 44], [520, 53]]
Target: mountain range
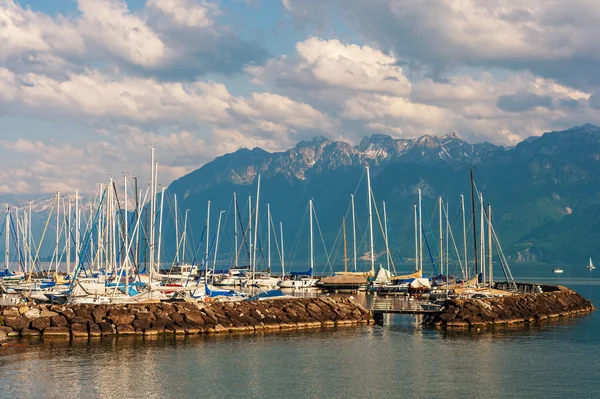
[[544, 193]]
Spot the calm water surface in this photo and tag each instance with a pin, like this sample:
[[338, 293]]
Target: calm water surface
[[553, 360]]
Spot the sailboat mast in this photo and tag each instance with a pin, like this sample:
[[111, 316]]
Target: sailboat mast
[[125, 212], [77, 229], [416, 240], [441, 238], [18, 228], [152, 205], [311, 236], [183, 246], [490, 257], [217, 243], [207, 231], [57, 228], [255, 228], [353, 231], [282, 251], [7, 238], [235, 228], [269, 237], [114, 224], [447, 236], [176, 229], [370, 222], [387, 245], [474, 224], [68, 236], [447, 249], [249, 231], [464, 222], [482, 236], [420, 233], [160, 226], [345, 254]]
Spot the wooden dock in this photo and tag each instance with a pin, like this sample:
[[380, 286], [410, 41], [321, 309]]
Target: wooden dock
[[381, 306]]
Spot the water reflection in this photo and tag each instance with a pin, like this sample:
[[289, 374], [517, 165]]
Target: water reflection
[[552, 359]]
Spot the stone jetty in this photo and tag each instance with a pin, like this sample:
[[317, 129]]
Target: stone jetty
[[83, 321], [513, 309]]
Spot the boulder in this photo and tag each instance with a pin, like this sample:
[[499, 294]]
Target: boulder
[[41, 323], [80, 320], [118, 312], [56, 332], [121, 319], [11, 312], [98, 313], [17, 323], [79, 330], [59, 321], [48, 313], [106, 328], [125, 329], [32, 313], [195, 319], [141, 324], [94, 330]]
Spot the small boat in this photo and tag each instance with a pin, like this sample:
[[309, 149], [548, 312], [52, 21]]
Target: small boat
[[556, 270], [591, 265]]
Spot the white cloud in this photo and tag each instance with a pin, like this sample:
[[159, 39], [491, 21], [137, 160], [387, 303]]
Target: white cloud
[[185, 12], [333, 64], [101, 100], [110, 26]]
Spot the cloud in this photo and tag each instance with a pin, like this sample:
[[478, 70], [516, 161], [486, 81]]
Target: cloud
[[523, 101], [102, 100], [109, 26], [326, 64], [185, 13], [166, 39], [551, 39], [370, 92]]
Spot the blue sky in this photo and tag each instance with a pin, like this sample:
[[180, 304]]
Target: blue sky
[[86, 85]]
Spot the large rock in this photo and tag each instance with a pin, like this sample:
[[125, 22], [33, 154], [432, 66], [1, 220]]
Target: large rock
[[11, 312], [41, 323], [141, 324], [48, 313], [32, 313], [30, 333], [121, 319], [98, 313], [59, 321], [125, 329], [17, 323], [94, 330], [79, 330], [106, 328], [57, 332]]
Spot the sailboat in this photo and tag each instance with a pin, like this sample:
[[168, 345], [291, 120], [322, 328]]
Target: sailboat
[[304, 279], [591, 265]]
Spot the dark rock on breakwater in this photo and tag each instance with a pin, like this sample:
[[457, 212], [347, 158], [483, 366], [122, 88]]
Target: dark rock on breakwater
[[513, 309], [178, 318]]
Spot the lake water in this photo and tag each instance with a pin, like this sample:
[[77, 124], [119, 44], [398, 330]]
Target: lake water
[[555, 359]]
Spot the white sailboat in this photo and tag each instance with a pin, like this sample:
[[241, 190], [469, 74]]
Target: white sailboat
[[591, 265], [306, 280]]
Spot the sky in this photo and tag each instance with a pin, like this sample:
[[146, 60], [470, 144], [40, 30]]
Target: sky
[[86, 86]]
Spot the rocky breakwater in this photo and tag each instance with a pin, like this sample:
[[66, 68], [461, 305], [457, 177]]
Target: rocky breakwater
[[514, 309], [178, 318]]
